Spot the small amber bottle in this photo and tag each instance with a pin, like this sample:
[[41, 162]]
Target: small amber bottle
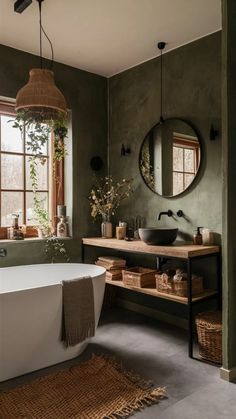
[[197, 238]]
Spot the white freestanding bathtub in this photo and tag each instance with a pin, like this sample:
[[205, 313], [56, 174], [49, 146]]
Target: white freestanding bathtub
[[31, 315]]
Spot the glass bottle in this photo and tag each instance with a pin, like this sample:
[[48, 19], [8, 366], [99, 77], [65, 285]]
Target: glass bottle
[[62, 227]]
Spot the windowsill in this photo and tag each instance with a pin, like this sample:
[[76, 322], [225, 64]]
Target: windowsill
[[34, 239]]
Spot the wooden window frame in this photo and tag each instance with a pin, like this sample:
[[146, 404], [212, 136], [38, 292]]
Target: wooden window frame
[[55, 192], [189, 144]]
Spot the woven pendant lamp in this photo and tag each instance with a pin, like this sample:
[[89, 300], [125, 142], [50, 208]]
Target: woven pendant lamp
[[40, 99], [40, 96]]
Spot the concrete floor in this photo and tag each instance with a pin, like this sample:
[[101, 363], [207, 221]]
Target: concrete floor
[[158, 352]]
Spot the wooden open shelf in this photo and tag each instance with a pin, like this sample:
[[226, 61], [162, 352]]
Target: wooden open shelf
[[154, 293], [178, 249]]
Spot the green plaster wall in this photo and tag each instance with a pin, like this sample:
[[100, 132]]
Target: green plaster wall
[[192, 91], [229, 175], [86, 96]]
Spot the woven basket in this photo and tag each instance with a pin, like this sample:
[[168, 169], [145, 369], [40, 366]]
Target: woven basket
[[209, 331], [166, 285], [139, 277]]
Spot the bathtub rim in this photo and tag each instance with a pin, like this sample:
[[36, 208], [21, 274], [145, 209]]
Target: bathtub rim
[[100, 271]]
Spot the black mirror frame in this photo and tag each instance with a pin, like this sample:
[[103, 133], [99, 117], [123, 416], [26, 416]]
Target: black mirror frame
[[200, 163]]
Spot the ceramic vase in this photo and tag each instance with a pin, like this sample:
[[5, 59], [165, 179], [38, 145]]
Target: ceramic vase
[[106, 228]]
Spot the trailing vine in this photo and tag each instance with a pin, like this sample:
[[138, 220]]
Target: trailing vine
[[37, 133], [55, 249]]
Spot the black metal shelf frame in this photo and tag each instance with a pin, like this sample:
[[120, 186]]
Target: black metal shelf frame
[[190, 302]]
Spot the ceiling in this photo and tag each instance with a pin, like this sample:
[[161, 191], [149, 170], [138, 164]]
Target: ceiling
[[108, 36]]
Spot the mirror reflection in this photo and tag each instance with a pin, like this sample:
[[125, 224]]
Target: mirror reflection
[[170, 157]]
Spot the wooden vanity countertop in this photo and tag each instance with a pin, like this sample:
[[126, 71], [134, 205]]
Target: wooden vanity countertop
[[179, 249]]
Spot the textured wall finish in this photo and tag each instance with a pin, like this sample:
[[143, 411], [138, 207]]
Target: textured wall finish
[[191, 90], [229, 175], [86, 96]]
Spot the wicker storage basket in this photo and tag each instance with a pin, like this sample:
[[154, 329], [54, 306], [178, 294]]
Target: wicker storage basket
[[166, 285], [181, 288], [139, 277], [209, 331]]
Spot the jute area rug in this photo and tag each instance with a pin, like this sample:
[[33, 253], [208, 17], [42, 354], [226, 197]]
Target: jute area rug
[[96, 389]]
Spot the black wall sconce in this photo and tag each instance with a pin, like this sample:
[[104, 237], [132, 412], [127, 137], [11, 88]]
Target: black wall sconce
[[213, 133], [96, 163], [124, 150]]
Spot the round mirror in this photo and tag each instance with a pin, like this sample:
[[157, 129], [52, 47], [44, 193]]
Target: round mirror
[[170, 157]]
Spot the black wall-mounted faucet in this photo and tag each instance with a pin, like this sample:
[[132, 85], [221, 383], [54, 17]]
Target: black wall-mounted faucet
[[169, 213], [3, 252]]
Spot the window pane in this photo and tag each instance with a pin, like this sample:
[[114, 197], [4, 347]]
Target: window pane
[[30, 216], [11, 203], [11, 139], [42, 175], [187, 180], [11, 171], [178, 159], [44, 148], [189, 160], [177, 183]]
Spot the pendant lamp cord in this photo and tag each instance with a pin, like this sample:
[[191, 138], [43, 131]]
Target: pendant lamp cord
[[40, 34], [161, 46], [108, 131], [41, 30], [161, 117]]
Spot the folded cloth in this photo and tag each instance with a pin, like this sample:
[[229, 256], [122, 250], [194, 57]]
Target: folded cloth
[[78, 321]]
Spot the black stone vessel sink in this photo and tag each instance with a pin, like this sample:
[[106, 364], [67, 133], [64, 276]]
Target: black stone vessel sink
[[158, 236]]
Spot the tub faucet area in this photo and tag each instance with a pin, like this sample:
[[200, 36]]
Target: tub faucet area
[[169, 213], [3, 252]]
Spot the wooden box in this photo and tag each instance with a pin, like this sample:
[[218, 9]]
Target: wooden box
[[139, 277], [166, 285]]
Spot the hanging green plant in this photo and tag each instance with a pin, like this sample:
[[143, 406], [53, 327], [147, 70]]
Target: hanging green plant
[[60, 132], [37, 133]]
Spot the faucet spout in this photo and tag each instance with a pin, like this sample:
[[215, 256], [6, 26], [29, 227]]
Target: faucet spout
[[169, 213]]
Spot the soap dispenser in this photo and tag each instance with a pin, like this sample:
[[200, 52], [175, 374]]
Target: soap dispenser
[[197, 238]]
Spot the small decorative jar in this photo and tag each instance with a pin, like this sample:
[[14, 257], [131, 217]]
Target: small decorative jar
[[120, 232], [124, 226], [207, 237]]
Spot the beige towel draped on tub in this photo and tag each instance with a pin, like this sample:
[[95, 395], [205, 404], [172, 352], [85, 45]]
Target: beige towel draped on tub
[[78, 310]]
